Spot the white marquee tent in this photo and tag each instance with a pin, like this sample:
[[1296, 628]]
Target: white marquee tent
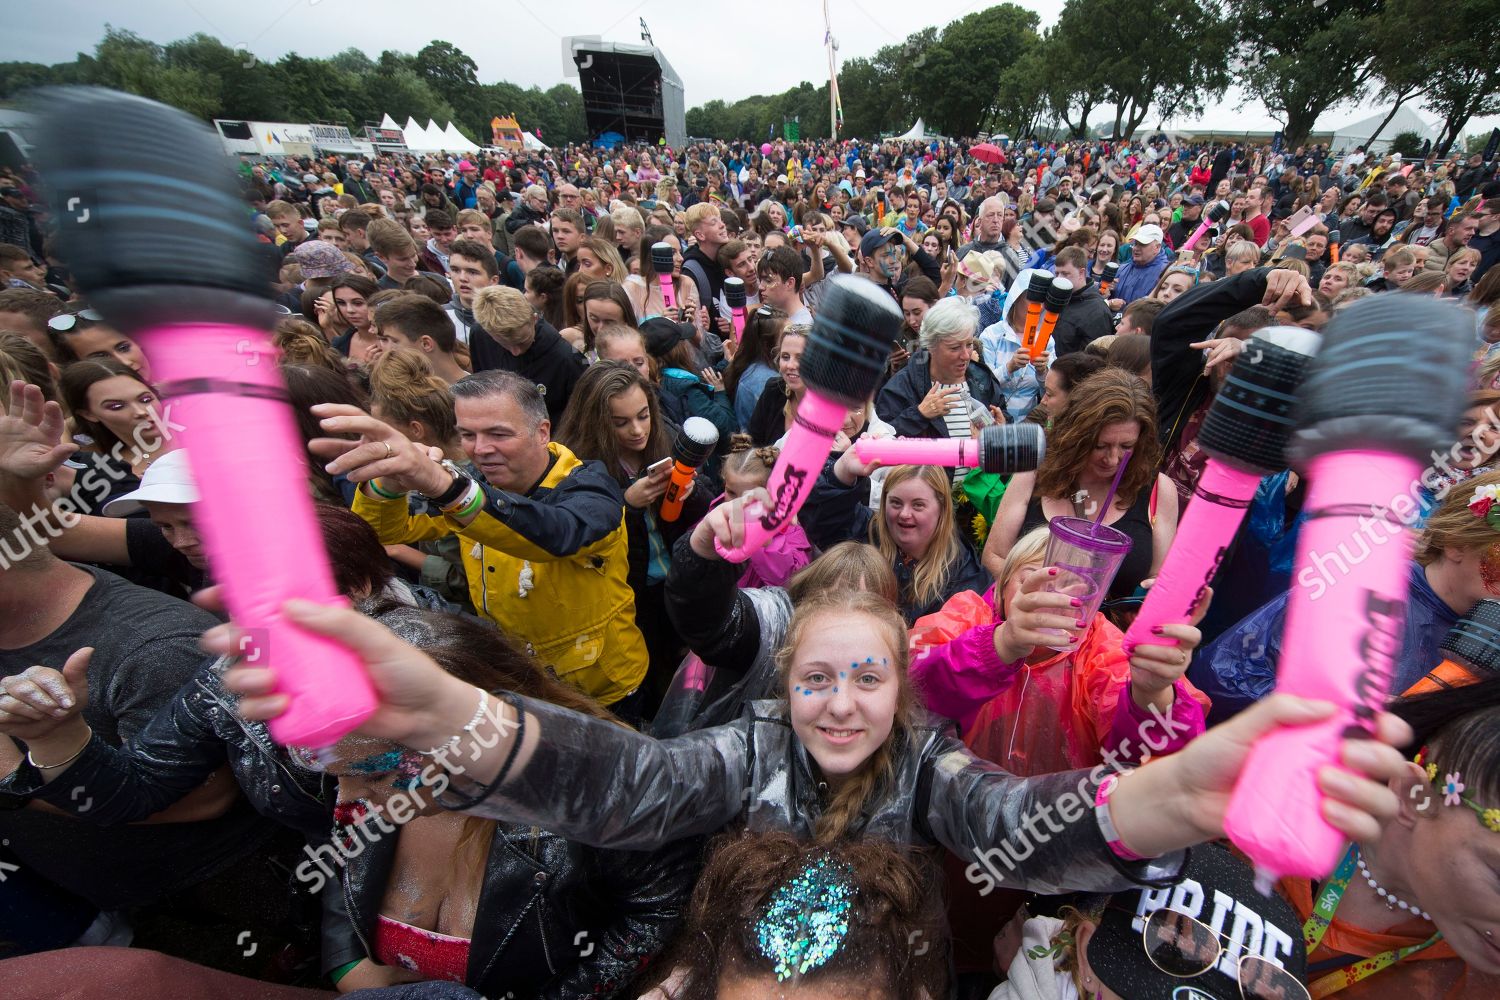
[[532, 142], [1358, 133], [455, 142]]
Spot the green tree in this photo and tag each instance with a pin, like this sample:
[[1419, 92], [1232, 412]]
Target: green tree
[[1304, 58], [955, 78]]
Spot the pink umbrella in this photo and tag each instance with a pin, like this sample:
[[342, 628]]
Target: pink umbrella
[[988, 152]]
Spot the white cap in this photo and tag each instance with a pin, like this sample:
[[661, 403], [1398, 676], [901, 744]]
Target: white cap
[[1147, 234], [167, 480], [781, 179]]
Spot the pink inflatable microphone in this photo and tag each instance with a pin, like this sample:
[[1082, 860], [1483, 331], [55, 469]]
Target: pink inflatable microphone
[[155, 230], [1245, 435], [1000, 448], [841, 366], [734, 295], [1386, 389], [1217, 213], [663, 260]]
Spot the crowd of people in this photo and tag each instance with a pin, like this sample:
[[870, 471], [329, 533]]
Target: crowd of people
[[880, 757]]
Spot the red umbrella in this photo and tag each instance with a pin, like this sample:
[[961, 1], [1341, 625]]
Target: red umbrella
[[988, 152]]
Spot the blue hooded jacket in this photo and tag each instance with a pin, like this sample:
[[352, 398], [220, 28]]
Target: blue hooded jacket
[[1135, 282], [1239, 668]]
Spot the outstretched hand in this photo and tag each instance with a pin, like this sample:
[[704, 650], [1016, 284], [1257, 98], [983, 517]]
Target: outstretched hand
[[31, 434]]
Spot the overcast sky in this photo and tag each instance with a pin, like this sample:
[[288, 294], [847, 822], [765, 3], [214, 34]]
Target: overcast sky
[[781, 41]]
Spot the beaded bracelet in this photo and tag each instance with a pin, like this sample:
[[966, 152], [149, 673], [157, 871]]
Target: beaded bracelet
[[468, 730]]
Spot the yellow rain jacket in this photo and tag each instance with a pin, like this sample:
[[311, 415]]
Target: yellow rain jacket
[[549, 568]]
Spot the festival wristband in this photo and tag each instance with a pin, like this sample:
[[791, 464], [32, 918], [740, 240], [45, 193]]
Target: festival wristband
[[1107, 825], [467, 502], [376, 489], [454, 494]]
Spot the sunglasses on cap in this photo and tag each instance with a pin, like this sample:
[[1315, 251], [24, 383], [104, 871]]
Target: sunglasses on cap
[[1183, 947], [64, 322]]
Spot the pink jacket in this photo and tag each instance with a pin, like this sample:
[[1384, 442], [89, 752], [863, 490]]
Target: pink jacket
[[1061, 713]]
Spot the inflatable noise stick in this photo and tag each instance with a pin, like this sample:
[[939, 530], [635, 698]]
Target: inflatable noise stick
[[1245, 436], [841, 366], [1058, 294], [663, 259], [1036, 294], [695, 442], [1111, 271], [1473, 651], [734, 295], [1364, 428], [153, 226], [1217, 213], [1000, 448]]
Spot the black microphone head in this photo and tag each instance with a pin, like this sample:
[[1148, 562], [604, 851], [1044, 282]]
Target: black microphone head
[[1007, 448], [695, 442], [152, 223], [1111, 270], [663, 258], [734, 293], [1218, 211], [1390, 377], [1475, 638], [1250, 420], [1041, 281], [1058, 294], [851, 341]]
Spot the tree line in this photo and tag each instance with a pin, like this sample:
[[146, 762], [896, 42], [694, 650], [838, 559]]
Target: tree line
[[993, 70]]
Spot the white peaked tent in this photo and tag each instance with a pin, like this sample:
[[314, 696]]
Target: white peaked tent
[[532, 142], [917, 131], [433, 134], [416, 139], [1358, 133], [455, 141], [388, 122]]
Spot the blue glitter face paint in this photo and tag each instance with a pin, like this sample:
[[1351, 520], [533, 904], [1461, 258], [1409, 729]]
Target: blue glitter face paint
[[377, 763], [807, 919]]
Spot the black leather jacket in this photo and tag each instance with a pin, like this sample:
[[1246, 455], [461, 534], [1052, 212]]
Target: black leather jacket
[[190, 738], [556, 920], [604, 785]]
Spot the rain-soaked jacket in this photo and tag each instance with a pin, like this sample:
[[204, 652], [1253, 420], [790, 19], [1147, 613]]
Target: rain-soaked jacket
[[1239, 667], [193, 735], [601, 784], [1042, 717], [550, 568], [734, 634]]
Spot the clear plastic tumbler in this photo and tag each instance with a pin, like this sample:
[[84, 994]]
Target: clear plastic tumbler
[[1087, 557]]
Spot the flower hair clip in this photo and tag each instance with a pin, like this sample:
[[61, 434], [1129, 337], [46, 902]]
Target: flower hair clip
[[1453, 789], [1485, 503]]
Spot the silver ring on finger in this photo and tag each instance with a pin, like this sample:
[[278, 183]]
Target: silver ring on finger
[[388, 450]]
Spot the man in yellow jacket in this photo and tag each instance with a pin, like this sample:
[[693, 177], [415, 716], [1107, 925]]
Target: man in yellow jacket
[[542, 533]]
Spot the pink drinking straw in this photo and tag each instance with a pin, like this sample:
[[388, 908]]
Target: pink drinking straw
[[1109, 497]]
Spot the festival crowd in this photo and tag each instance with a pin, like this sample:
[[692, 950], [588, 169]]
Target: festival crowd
[[880, 757]]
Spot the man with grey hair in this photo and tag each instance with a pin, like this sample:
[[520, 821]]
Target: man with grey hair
[[986, 227], [520, 341], [542, 533]]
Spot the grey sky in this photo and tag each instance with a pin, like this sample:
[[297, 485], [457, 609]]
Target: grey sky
[[780, 41]]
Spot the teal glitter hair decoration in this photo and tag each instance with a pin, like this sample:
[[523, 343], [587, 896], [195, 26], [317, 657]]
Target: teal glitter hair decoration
[[807, 919]]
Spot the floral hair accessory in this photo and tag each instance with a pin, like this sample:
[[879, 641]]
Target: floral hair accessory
[[1453, 790], [807, 919], [1485, 503]]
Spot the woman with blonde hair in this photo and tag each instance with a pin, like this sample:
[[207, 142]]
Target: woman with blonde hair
[[914, 530], [1110, 420]]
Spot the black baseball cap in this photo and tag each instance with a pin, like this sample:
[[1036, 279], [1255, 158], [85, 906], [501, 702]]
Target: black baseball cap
[[875, 239], [662, 334], [1218, 889]]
